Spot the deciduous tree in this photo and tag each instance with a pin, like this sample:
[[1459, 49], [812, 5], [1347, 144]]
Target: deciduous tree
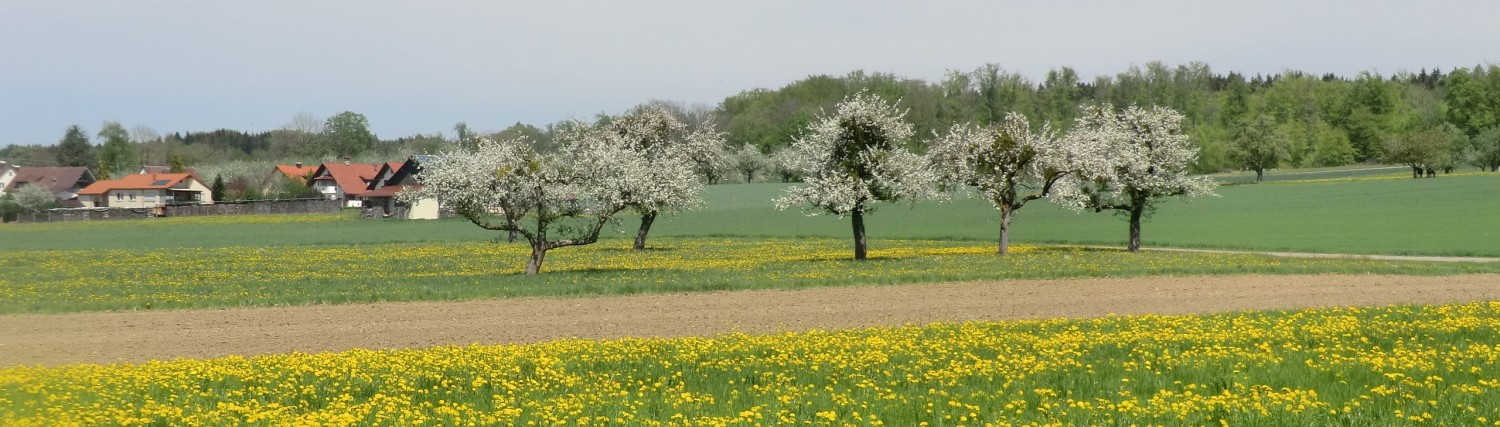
[[348, 134], [1258, 146], [1422, 150], [117, 156], [1484, 149], [663, 153], [553, 199], [854, 158], [1008, 163], [1140, 157], [748, 160]]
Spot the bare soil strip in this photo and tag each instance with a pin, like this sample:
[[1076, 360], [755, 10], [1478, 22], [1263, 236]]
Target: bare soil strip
[[1417, 258], [140, 336]]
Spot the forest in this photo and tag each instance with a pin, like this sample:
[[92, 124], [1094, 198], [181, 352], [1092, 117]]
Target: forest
[[1429, 118]]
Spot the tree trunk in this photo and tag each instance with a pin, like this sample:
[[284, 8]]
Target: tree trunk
[[1005, 213], [859, 235], [534, 265], [1135, 228], [640, 235], [1260, 175]]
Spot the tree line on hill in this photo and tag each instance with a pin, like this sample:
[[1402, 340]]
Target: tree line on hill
[[1429, 120]]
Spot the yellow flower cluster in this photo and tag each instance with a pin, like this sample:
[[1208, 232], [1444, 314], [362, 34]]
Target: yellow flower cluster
[[73, 280], [1383, 366], [186, 221]]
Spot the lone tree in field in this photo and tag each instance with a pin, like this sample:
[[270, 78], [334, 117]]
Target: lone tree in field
[[553, 199], [1258, 145], [665, 161], [1009, 164], [1422, 150], [854, 158], [1140, 156]]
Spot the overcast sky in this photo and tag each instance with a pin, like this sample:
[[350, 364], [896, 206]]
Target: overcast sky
[[419, 67]]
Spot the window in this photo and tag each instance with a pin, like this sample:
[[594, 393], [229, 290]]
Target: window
[[119, 197], [132, 197]]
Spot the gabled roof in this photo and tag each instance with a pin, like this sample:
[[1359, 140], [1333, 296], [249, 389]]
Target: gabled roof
[[168, 169], [296, 171], [352, 178], [387, 171], [140, 181], [56, 179], [390, 190]]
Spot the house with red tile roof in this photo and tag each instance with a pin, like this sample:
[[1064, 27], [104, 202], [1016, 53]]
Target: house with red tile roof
[[296, 172], [147, 191], [345, 181], [63, 182]]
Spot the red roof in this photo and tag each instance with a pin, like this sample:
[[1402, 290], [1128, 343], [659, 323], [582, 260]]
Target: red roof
[[390, 190], [295, 172], [140, 181], [351, 178]]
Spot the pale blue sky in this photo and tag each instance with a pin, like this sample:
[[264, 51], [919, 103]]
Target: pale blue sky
[[420, 67]]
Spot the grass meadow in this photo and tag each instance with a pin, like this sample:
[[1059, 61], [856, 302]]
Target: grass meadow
[[1350, 367], [737, 241], [1343, 211], [1335, 366]]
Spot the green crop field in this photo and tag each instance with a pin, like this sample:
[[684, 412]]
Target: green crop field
[[1382, 214], [736, 241]]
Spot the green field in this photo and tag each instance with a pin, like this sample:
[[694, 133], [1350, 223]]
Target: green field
[[736, 241], [1384, 214]]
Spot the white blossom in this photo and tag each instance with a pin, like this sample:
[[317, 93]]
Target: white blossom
[[1130, 160], [855, 157], [555, 199], [1008, 164]]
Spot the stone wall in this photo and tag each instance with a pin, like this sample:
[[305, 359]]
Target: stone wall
[[256, 207]]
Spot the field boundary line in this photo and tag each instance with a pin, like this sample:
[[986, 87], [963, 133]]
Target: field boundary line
[[1419, 258]]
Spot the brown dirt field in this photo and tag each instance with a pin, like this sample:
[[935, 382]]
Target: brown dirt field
[[53, 339]]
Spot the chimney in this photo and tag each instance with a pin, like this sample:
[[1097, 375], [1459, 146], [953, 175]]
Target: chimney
[[346, 160], [299, 165]]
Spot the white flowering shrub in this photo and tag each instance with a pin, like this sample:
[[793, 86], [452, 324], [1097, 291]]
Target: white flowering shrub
[[555, 199], [1007, 164], [1131, 160], [854, 158]]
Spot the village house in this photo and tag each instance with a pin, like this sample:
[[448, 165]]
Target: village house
[[394, 178], [63, 182], [345, 181], [7, 174], [296, 172], [146, 191]]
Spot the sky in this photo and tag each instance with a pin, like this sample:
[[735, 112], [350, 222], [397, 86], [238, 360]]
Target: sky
[[420, 67]]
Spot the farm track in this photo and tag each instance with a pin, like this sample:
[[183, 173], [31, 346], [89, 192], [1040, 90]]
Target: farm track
[[54, 339]]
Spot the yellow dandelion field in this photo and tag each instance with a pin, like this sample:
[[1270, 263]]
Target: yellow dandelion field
[[1399, 365]]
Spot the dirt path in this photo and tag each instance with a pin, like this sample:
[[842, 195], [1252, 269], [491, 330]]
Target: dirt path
[[1417, 258], [140, 336]]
